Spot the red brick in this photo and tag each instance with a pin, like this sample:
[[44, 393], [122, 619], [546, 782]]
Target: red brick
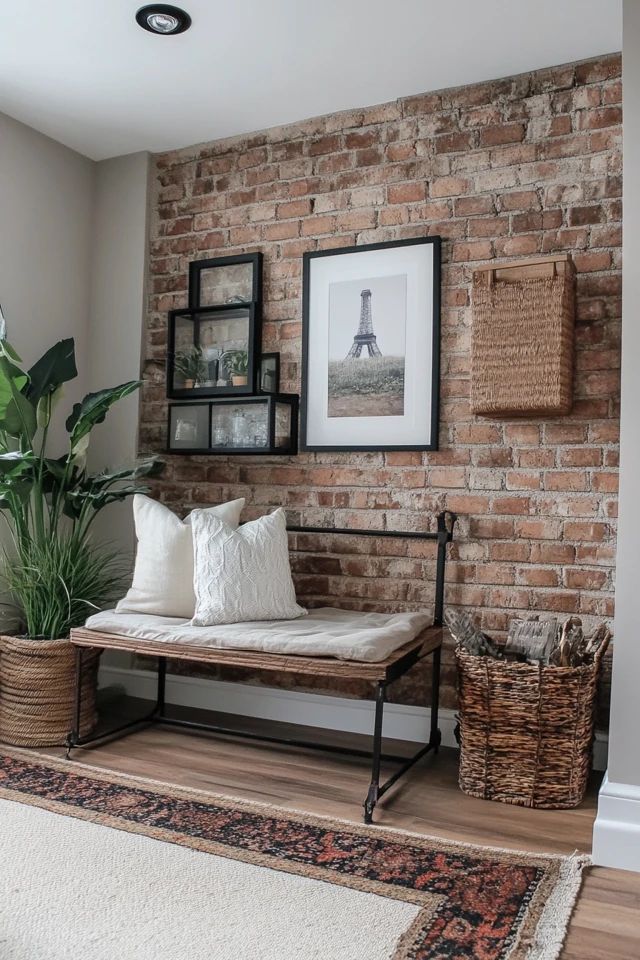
[[585, 579], [519, 200], [356, 220], [294, 208], [538, 577], [473, 206], [605, 482], [576, 530], [552, 553], [475, 250], [361, 138], [518, 246], [542, 529], [281, 231], [488, 226], [330, 144], [565, 480], [502, 133], [315, 226], [449, 186], [453, 142], [579, 216], [517, 550], [580, 457], [600, 117], [406, 192], [400, 151]]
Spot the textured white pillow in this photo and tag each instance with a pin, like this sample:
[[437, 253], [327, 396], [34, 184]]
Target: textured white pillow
[[163, 574], [243, 574]]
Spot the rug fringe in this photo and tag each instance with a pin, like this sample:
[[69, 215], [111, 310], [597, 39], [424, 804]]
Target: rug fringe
[[551, 930]]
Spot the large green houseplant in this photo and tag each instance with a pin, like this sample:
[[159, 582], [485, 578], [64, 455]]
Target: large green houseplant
[[55, 573]]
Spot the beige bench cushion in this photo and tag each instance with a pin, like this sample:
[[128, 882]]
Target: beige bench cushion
[[326, 632]]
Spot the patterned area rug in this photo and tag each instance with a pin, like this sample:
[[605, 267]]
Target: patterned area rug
[[466, 901]]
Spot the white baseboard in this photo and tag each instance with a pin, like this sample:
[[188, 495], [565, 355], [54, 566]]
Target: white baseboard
[[616, 832], [401, 722]]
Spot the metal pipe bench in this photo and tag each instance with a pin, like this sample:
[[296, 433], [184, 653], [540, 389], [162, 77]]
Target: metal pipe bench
[[381, 674]]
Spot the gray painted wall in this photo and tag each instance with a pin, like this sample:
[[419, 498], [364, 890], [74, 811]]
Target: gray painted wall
[[46, 213], [73, 243], [115, 317]]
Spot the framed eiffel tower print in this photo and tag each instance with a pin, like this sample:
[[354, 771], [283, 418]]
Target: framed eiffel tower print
[[371, 347]]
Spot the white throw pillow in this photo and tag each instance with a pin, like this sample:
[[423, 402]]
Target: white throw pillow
[[163, 574], [244, 574]]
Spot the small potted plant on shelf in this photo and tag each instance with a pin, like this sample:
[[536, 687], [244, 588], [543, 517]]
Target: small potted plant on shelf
[[238, 364], [190, 366], [56, 575]]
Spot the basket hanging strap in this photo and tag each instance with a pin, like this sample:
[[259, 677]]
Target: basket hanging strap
[[544, 271]]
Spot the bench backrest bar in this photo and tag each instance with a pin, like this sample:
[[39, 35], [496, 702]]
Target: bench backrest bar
[[446, 522], [443, 535]]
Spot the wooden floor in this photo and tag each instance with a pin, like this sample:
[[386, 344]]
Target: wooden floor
[[606, 923]]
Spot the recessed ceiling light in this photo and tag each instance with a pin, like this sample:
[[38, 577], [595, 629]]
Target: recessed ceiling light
[[163, 19]]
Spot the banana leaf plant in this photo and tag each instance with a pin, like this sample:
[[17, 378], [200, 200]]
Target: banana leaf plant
[[57, 575]]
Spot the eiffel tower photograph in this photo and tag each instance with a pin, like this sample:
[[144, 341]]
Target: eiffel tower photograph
[[367, 332]]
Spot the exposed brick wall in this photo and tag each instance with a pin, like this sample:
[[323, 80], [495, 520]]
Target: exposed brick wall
[[510, 168]]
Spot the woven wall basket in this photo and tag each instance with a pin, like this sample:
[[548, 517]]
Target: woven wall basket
[[523, 339], [526, 732], [37, 681]]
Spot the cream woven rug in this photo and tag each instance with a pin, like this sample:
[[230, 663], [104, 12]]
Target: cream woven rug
[[78, 890], [99, 866]]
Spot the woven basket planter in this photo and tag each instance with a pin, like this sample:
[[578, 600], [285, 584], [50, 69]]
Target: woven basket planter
[[37, 683], [522, 339], [526, 732]]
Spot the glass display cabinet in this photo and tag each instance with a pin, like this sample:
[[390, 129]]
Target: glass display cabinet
[[213, 351], [266, 423]]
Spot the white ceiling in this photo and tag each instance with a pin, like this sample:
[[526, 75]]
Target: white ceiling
[[83, 72]]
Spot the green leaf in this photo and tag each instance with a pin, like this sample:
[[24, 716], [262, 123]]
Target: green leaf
[[56, 467], [94, 408], [150, 467], [6, 350], [55, 367], [16, 462], [17, 416]]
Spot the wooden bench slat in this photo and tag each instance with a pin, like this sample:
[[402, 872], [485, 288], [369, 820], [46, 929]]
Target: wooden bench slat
[[426, 642]]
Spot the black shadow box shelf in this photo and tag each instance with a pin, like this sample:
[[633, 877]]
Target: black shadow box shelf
[[213, 351], [262, 424]]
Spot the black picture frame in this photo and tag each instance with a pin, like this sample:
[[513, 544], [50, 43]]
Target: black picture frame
[[197, 267], [197, 317], [430, 444], [269, 400], [274, 360]]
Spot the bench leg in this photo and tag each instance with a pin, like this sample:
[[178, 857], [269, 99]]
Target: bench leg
[[374, 787], [74, 734], [435, 736], [162, 680]]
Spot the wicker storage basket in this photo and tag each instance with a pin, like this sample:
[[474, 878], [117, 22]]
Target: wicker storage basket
[[37, 683], [526, 732], [522, 339]]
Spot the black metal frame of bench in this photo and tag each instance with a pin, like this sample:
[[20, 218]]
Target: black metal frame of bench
[[428, 643]]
